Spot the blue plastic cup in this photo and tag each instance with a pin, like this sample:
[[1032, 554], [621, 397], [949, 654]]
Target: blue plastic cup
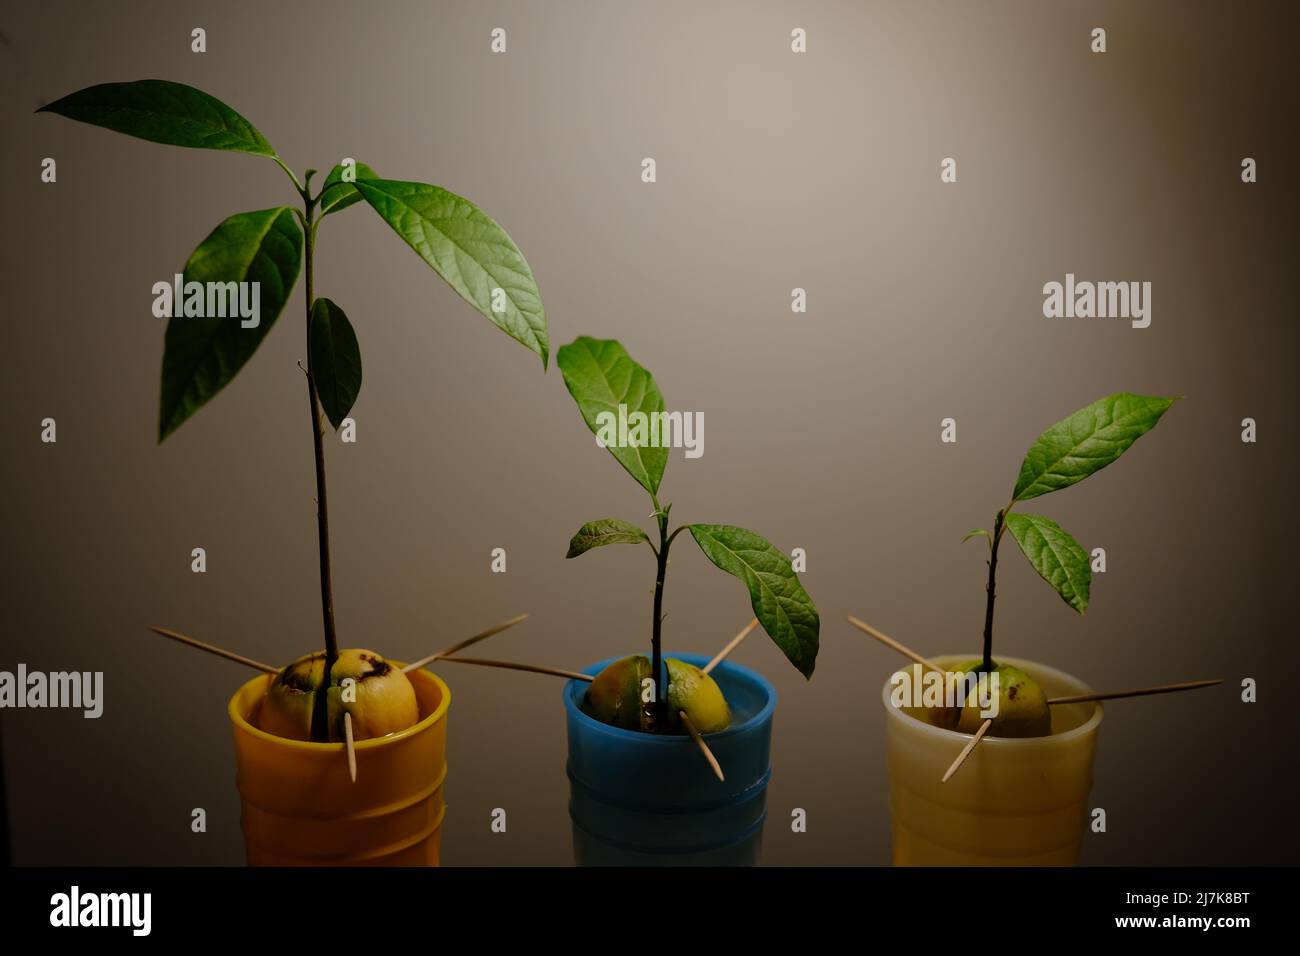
[[639, 799]]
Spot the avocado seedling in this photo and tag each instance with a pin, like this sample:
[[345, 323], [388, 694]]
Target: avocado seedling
[[1066, 453], [229, 296], [609, 386], [1071, 450]]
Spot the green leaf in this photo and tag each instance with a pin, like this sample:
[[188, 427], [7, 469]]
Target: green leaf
[[1055, 555], [780, 603], [977, 531], [594, 534], [163, 112], [201, 355], [335, 360], [601, 376], [470, 251], [1086, 442], [338, 194]]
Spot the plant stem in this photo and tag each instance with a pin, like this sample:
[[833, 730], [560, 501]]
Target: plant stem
[[290, 173], [999, 526], [658, 709], [320, 711]]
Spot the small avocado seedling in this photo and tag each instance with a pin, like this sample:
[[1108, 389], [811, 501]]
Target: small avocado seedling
[[605, 381], [1066, 453], [255, 257]]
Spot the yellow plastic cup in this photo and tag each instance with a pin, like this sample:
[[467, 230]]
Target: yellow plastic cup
[[1014, 802], [299, 806]]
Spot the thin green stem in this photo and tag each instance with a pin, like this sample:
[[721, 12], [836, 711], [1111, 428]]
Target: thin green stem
[[290, 173]]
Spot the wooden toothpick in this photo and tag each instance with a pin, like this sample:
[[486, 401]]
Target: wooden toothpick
[[734, 643], [352, 746], [511, 665], [213, 649], [891, 643], [988, 722], [704, 748], [1082, 699], [574, 675], [482, 635], [965, 751], [1139, 692]]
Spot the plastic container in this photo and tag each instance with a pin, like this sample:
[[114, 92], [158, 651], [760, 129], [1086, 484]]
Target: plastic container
[[299, 807], [1014, 802], [640, 799]]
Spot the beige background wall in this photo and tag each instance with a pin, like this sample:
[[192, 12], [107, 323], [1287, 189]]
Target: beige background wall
[[775, 171]]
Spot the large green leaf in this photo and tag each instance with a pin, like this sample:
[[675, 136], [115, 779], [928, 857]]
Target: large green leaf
[[1055, 555], [163, 112], [337, 194], [601, 376], [780, 603], [470, 251], [202, 354], [595, 534], [335, 360], [1087, 442]]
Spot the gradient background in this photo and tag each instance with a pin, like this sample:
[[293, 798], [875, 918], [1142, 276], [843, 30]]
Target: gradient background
[[775, 171]]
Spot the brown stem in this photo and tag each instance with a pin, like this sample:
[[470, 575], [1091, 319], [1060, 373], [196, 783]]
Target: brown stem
[[987, 664]]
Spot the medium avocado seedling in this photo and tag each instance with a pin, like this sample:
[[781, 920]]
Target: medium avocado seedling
[[605, 381], [1066, 453], [257, 256]]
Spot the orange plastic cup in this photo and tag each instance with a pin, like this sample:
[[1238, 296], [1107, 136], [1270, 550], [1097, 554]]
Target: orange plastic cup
[[1014, 802], [300, 807]]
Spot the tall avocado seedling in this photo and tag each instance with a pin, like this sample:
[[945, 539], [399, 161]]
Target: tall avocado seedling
[[203, 352], [601, 376]]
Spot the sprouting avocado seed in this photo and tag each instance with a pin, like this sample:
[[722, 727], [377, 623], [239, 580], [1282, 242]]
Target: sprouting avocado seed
[[1022, 706], [698, 694], [614, 697], [381, 702]]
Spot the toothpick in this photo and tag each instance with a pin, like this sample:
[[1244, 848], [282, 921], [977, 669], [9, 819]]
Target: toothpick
[[1140, 692], [1081, 699], [482, 635], [219, 651], [891, 643], [965, 751], [574, 675], [510, 665], [352, 747], [735, 642], [704, 748]]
